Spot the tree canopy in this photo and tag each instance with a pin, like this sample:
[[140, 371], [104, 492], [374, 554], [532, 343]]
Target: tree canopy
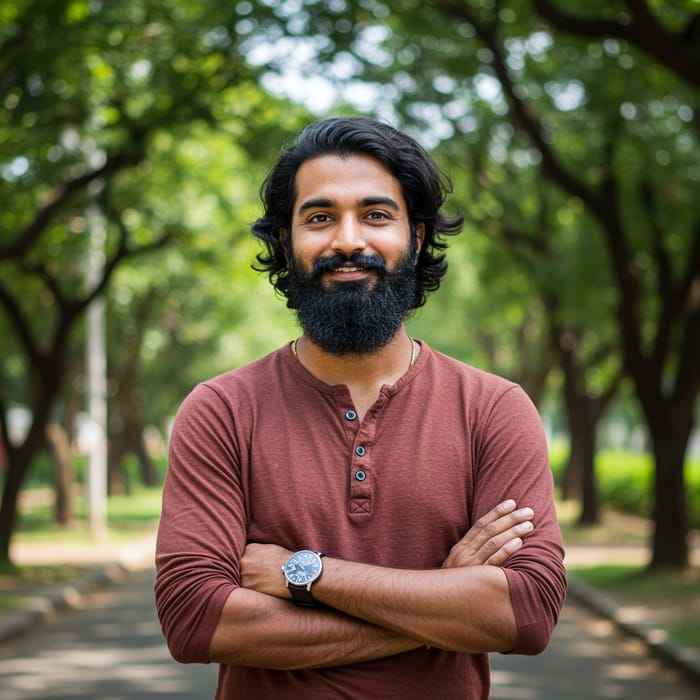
[[570, 130]]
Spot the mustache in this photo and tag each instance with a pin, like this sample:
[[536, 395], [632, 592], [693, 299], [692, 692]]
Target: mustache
[[374, 263]]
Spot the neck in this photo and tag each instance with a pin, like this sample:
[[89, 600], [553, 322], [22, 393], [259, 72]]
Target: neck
[[385, 366]]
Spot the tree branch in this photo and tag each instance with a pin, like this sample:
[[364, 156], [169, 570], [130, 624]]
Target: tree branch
[[5, 429], [523, 115], [20, 323], [601, 202], [60, 194], [677, 51], [123, 252]]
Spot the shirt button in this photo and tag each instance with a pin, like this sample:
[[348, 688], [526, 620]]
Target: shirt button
[[350, 415], [360, 475], [360, 451]]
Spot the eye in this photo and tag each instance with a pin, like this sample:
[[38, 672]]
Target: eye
[[377, 215], [319, 219]]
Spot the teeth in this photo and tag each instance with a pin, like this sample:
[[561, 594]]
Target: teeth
[[347, 269]]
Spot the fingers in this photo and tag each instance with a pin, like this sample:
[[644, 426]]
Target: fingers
[[506, 543], [488, 530], [493, 537], [504, 514]]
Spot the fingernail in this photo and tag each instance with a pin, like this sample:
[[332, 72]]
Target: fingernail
[[510, 503]]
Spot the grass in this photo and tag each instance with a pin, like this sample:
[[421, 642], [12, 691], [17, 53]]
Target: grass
[[669, 601], [618, 578], [18, 582], [127, 516], [685, 634]]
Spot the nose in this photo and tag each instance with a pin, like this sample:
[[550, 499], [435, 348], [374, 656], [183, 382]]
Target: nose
[[348, 237]]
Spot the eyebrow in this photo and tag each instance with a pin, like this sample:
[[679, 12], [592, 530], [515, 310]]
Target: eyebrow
[[366, 202]]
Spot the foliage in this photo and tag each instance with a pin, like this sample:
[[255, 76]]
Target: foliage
[[579, 131], [626, 481], [573, 154], [152, 101], [134, 121]]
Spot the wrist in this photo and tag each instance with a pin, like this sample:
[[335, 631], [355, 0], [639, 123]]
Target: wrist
[[301, 570]]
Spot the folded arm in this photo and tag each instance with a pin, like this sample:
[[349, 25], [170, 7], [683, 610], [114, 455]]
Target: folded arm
[[263, 631], [373, 612]]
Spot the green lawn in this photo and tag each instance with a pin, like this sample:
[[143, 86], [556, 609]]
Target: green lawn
[[678, 596], [127, 516]]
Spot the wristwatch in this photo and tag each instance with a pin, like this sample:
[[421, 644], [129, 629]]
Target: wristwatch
[[300, 571]]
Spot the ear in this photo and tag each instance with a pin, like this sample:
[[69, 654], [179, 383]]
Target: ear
[[420, 235]]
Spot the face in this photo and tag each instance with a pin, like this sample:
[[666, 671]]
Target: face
[[352, 266], [349, 205]]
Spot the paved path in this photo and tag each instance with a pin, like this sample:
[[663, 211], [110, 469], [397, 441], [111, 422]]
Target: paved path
[[112, 649], [588, 659]]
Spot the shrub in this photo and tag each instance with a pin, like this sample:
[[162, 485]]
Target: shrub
[[626, 480]]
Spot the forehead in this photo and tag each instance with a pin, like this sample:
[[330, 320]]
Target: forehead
[[345, 180]]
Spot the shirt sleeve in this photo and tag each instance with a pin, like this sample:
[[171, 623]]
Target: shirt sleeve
[[513, 463], [201, 535]]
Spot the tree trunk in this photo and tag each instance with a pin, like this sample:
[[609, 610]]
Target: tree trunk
[[47, 380], [59, 447], [583, 412], [670, 546], [19, 461], [116, 473], [149, 477], [579, 479], [572, 482], [590, 501]]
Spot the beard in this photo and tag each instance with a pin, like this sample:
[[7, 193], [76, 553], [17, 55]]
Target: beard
[[358, 317]]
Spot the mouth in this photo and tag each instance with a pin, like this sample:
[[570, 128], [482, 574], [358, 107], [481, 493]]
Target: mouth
[[339, 267], [347, 268]]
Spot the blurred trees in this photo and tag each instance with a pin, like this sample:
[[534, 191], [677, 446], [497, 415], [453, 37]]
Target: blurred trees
[[586, 141], [578, 124], [122, 107], [571, 130]]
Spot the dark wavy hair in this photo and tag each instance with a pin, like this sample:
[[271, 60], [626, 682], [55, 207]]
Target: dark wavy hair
[[424, 187]]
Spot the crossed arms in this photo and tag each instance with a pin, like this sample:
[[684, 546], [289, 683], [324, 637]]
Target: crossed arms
[[371, 612]]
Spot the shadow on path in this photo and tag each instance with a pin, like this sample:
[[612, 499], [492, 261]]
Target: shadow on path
[[112, 649]]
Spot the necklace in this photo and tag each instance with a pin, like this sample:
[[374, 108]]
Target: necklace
[[413, 352], [410, 364]]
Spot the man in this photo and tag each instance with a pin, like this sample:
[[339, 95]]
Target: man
[[357, 515]]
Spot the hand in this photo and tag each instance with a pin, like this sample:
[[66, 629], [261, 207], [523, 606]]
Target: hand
[[492, 538], [261, 569]]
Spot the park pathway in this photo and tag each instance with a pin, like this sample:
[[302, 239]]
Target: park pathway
[[112, 649]]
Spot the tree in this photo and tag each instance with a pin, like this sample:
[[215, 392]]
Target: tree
[[657, 311], [94, 95], [603, 113], [197, 309]]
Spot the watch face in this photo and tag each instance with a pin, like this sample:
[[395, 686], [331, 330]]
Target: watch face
[[303, 567]]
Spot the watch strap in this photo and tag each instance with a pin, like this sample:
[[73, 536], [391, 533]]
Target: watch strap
[[301, 595]]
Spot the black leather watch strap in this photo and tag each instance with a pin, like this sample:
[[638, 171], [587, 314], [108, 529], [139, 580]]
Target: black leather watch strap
[[301, 595]]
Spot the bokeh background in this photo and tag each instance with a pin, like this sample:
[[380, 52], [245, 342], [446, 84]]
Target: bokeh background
[[134, 137]]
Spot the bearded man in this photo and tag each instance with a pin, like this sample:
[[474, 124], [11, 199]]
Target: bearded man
[[357, 515]]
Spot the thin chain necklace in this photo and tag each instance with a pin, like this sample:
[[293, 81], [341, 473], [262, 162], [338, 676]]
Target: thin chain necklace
[[410, 364]]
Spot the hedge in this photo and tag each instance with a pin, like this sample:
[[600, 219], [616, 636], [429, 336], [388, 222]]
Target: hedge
[[626, 479]]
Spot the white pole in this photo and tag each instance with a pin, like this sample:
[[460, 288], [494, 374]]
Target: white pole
[[96, 370]]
